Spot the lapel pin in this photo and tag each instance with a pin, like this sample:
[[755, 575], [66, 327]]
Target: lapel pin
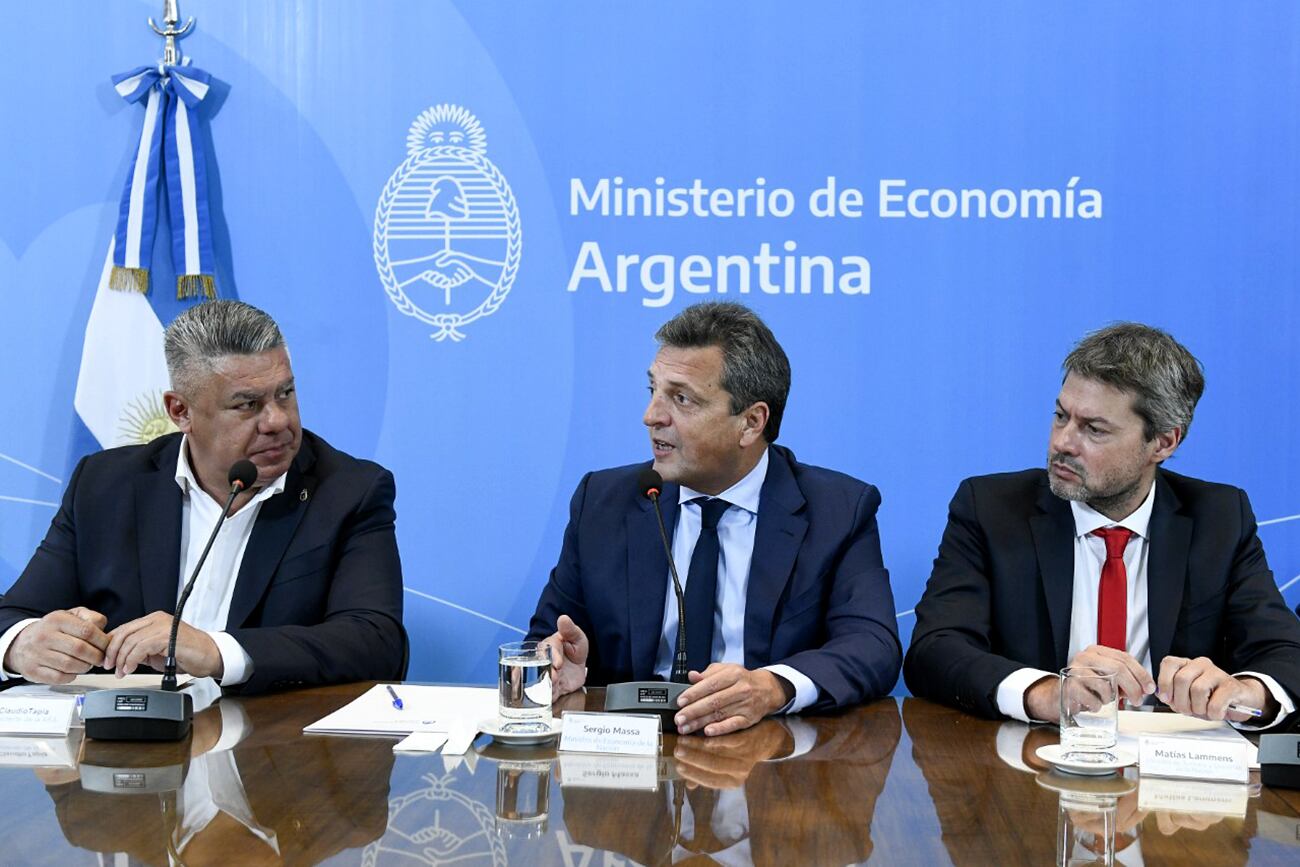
[[302, 495]]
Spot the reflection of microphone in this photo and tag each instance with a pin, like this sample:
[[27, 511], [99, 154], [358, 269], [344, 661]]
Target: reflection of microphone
[[651, 483], [147, 714], [655, 696]]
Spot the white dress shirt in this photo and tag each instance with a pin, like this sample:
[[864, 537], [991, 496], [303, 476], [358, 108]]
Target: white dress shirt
[[736, 530], [209, 602], [1089, 557]]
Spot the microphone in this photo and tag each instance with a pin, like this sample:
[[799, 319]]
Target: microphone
[[150, 715], [242, 474], [651, 484], [656, 696]]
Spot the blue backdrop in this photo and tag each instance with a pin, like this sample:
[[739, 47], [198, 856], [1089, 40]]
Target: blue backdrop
[[1166, 138]]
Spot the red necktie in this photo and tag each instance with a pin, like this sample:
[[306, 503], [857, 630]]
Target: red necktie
[[1112, 597]]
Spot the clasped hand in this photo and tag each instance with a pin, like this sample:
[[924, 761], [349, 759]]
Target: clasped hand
[[724, 698], [1196, 687], [64, 644]]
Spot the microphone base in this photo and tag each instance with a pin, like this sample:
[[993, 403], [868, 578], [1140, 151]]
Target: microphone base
[[137, 715], [658, 697]]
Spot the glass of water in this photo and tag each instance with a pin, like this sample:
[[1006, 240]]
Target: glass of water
[[524, 682], [1089, 716]]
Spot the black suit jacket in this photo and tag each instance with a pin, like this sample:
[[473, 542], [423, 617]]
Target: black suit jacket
[[318, 598], [1000, 595], [818, 598]]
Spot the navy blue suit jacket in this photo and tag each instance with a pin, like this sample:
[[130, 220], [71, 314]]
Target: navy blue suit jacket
[[1000, 596], [818, 598], [318, 598]]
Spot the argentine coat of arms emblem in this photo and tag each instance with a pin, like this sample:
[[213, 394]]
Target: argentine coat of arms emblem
[[447, 238]]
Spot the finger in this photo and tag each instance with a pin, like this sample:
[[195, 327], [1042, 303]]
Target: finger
[[714, 678], [83, 631], [142, 648], [119, 637], [1200, 690], [89, 616], [45, 674], [716, 707], [728, 725], [1131, 679], [1169, 668], [84, 654], [1227, 691], [1182, 685]]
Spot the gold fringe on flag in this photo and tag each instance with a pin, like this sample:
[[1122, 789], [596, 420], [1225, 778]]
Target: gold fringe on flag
[[194, 285], [129, 279]]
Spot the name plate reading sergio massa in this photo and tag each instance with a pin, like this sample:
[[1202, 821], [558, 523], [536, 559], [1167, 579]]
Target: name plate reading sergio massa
[[620, 734]]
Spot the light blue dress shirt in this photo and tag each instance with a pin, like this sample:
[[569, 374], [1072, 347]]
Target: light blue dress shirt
[[736, 550]]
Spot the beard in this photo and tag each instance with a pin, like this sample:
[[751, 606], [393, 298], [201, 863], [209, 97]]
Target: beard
[[1110, 494]]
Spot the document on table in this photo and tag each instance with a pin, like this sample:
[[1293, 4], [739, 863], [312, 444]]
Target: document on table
[[453, 710], [84, 683], [1133, 723]]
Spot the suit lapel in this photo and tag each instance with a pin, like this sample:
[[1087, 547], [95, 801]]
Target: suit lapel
[[777, 539], [276, 523], [1170, 540], [157, 503], [1053, 532], [647, 570]]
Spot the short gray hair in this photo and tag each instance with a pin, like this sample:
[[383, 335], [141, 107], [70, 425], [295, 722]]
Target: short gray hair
[[1164, 377], [206, 332], [754, 366]]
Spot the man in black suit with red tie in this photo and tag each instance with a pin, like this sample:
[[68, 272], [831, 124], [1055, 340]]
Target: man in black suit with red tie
[[1107, 560]]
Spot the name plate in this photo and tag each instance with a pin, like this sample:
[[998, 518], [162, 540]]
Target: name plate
[[587, 771], [27, 715], [1193, 796], [1194, 758], [620, 734]]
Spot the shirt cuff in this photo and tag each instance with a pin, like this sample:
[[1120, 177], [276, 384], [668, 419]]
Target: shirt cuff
[[7, 639], [1012, 689], [1275, 689], [805, 691], [236, 664]]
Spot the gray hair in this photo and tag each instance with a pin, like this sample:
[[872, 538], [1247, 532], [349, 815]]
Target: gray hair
[[206, 332], [1165, 379], [754, 366]]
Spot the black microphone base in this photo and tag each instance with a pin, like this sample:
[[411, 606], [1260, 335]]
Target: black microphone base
[[137, 715], [658, 697]]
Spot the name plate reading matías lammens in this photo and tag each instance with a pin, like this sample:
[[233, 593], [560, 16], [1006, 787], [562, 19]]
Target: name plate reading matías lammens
[[1194, 758], [620, 734]]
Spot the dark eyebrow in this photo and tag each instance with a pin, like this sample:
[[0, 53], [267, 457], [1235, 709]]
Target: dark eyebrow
[[1093, 420]]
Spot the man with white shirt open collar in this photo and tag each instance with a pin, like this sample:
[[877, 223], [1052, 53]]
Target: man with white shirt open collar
[[1108, 561], [787, 601], [302, 584]]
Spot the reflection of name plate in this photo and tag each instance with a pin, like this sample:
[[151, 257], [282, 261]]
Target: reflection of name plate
[[1194, 758], [1193, 796], [622, 734], [40, 752], [590, 771], [27, 715]]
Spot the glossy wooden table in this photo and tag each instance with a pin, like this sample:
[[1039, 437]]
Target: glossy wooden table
[[895, 782]]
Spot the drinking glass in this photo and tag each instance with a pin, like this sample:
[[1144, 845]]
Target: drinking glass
[[524, 681], [1089, 716]]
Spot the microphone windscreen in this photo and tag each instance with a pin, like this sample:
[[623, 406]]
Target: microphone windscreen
[[242, 472], [649, 481]]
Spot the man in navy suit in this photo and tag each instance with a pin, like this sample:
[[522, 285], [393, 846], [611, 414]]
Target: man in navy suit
[[787, 599], [1108, 561], [301, 586]]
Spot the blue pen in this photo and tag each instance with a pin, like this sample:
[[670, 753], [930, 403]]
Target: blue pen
[[1241, 708], [397, 702]]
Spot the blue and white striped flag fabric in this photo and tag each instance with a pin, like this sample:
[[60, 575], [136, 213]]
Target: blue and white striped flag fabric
[[171, 146]]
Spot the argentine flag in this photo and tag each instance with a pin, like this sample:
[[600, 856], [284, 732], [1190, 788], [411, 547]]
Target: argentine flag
[[123, 374]]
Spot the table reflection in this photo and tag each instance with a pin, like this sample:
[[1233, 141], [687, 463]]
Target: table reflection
[[783, 791], [233, 792]]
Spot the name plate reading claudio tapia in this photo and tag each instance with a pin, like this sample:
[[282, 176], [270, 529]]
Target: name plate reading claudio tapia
[[1194, 758], [620, 734], [30, 715]]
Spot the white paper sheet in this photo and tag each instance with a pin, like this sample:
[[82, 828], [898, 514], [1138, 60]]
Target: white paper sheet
[[453, 710]]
